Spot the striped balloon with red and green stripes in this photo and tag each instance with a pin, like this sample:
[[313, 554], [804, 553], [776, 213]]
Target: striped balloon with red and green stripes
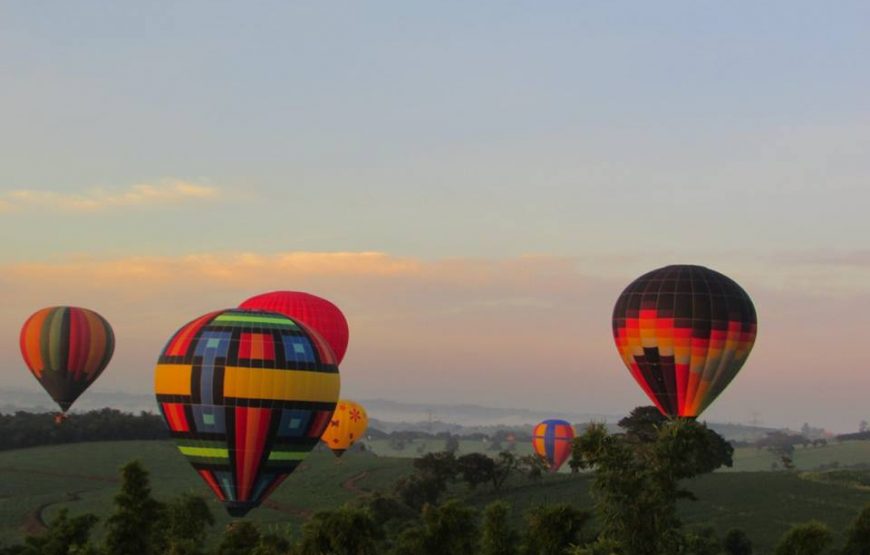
[[66, 349]]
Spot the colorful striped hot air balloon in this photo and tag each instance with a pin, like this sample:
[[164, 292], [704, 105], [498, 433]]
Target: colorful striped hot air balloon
[[684, 332], [347, 425], [552, 440], [66, 349], [315, 312], [246, 395]]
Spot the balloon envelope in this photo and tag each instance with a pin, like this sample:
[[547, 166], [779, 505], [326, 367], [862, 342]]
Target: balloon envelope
[[684, 332], [552, 440], [347, 425], [66, 349], [313, 311], [246, 395]]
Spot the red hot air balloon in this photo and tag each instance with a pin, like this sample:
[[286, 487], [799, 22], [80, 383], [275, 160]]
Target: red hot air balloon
[[315, 312], [552, 440], [66, 349], [684, 332]]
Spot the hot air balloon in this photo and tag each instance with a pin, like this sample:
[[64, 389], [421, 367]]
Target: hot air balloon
[[348, 424], [66, 349], [246, 395], [552, 440], [684, 332], [315, 312]]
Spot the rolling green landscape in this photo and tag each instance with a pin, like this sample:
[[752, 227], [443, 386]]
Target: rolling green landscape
[[83, 477]]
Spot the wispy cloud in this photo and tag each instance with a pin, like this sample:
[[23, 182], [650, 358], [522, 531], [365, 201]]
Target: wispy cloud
[[164, 192]]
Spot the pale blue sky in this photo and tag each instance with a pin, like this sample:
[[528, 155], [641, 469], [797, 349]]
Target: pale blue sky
[[608, 138], [440, 129]]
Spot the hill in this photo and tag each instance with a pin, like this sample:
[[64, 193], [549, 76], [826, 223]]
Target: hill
[[35, 483]]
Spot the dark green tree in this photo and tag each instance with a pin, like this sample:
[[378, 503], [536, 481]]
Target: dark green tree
[[135, 526], [241, 537], [534, 466], [858, 535], [505, 465], [415, 490], [475, 469], [810, 538], [187, 519], [701, 542], [736, 542], [497, 535], [642, 424], [636, 485], [64, 536], [345, 531], [553, 529], [450, 528]]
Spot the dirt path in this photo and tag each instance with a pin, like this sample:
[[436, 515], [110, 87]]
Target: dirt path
[[351, 483], [35, 522]]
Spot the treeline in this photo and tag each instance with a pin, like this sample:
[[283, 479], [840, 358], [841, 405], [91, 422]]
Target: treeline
[[637, 480], [27, 429]]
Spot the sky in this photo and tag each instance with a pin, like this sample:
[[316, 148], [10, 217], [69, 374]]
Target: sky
[[472, 183]]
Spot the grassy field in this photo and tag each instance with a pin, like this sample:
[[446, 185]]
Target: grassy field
[[746, 459], [84, 477]]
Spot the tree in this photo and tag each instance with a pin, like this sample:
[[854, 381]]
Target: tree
[[553, 529], [476, 469], [497, 536], [642, 424], [345, 531], [133, 529], [63, 536], [450, 528], [187, 518], [415, 491], [505, 464], [858, 535], [240, 538], [636, 484], [534, 466], [701, 542], [736, 542], [810, 538], [440, 466]]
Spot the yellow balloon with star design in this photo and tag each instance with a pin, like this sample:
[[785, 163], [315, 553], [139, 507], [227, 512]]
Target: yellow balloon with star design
[[348, 424]]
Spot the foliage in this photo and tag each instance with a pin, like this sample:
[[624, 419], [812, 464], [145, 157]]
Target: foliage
[[636, 484], [27, 429], [64, 535], [736, 542], [553, 529], [475, 469], [858, 535], [810, 538], [133, 529], [187, 519], [449, 528], [505, 464], [345, 531], [497, 536], [534, 466]]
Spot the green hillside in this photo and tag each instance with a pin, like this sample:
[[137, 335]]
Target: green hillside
[[35, 483]]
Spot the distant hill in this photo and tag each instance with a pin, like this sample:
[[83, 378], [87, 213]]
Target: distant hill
[[386, 415]]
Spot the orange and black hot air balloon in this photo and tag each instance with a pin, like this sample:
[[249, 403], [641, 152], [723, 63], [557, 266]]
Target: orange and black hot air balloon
[[684, 332], [66, 349]]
